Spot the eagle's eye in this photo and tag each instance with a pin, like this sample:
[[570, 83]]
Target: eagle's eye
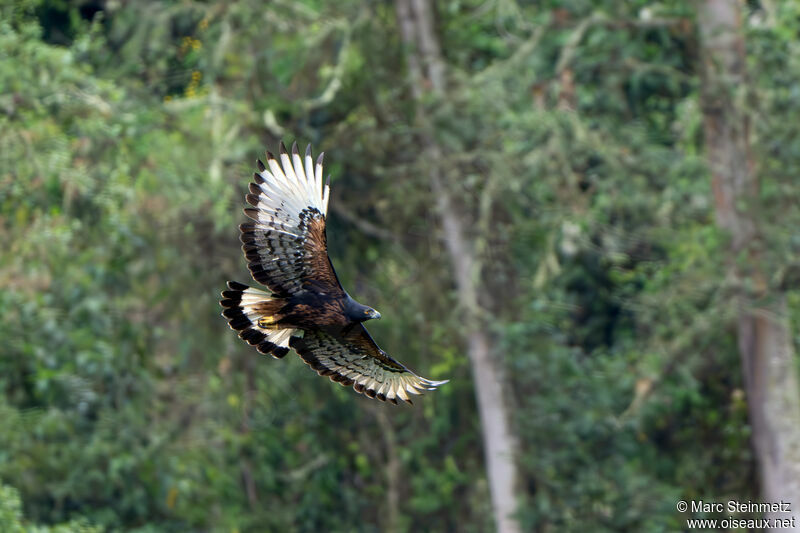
[[366, 311]]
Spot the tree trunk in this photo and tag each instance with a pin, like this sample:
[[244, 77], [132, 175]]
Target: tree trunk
[[764, 338], [427, 75]]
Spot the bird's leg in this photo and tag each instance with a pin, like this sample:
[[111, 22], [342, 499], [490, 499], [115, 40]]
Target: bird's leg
[[268, 322]]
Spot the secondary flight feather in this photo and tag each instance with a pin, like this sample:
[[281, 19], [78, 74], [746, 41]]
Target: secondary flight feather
[[306, 308]]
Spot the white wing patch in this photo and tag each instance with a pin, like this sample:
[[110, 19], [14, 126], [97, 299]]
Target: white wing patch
[[289, 187]]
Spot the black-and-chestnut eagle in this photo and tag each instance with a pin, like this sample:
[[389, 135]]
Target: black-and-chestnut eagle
[[306, 307]]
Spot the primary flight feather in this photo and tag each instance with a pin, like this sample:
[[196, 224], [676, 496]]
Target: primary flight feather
[[306, 308]]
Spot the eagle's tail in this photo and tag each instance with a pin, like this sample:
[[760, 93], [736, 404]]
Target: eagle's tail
[[251, 312]]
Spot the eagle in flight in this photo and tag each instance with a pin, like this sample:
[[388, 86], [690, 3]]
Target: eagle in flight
[[306, 307]]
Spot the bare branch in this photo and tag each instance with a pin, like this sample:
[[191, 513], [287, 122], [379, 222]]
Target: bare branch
[[363, 225]]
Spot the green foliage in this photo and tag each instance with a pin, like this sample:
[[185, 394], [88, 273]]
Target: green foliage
[[11, 520], [126, 139]]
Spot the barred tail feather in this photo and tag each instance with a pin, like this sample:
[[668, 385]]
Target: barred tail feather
[[244, 308]]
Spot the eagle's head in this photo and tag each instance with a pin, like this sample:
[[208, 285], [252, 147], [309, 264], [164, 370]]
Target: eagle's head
[[359, 313]]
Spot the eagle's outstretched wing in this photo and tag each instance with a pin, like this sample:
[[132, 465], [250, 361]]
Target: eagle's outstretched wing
[[354, 359], [285, 245]]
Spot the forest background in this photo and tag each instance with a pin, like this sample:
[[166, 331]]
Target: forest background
[[527, 192]]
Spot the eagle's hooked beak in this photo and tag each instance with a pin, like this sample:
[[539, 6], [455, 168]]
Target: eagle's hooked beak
[[373, 314]]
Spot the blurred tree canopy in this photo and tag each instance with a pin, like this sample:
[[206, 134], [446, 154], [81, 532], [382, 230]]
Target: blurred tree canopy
[[128, 131]]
